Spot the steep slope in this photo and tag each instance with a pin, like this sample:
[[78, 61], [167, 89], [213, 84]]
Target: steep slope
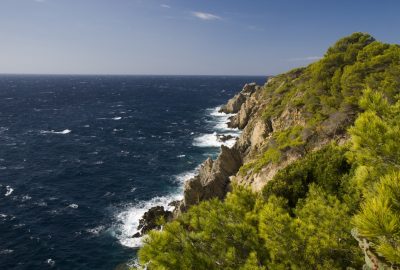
[[313, 174]]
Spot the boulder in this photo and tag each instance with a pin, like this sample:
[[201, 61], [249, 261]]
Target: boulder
[[150, 220], [224, 138]]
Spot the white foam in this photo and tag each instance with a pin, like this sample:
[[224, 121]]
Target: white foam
[[63, 132], [96, 230], [26, 198], [220, 125], [183, 177], [50, 262], [117, 118], [212, 140], [9, 191], [73, 206], [127, 220], [221, 119]]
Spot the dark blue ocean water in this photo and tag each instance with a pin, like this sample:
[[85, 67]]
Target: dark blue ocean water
[[82, 157]]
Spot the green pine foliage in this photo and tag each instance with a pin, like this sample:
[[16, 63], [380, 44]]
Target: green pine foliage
[[211, 235], [327, 167], [304, 216], [376, 150]]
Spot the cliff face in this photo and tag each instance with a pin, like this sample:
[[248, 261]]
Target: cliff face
[[213, 178], [248, 163]]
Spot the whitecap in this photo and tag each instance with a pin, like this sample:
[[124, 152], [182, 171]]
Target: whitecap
[[63, 132], [73, 206], [117, 118], [109, 194], [50, 262], [26, 198], [9, 191], [96, 230], [41, 203], [6, 251], [181, 156]]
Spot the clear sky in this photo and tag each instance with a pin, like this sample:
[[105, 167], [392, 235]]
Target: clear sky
[[216, 37]]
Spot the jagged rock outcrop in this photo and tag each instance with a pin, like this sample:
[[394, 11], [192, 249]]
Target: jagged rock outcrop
[[224, 138], [235, 103], [150, 220], [213, 178]]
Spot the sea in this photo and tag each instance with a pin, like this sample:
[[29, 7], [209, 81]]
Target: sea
[[83, 157]]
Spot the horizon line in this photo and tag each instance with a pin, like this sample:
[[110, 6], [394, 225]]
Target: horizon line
[[131, 74]]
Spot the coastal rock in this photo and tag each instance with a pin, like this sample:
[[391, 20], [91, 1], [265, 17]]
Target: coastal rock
[[224, 138], [247, 110], [213, 178], [235, 103], [150, 220]]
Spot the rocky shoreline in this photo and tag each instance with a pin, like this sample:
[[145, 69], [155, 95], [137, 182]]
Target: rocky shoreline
[[257, 134], [214, 176]]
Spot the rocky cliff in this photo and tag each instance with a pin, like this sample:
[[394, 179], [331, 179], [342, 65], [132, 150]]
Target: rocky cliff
[[262, 134], [267, 143], [306, 112]]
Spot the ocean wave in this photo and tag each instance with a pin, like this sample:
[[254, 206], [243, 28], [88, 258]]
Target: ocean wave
[[220, 126], [63, 132], [214, 140], [6, 251], [221, 119], [51, 262], [96, 230], [127, 220], [117, 118], [9, 191], [3, 129], [73, 206], [25, 198]]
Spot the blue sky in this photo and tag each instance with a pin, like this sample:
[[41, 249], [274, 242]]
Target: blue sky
[[216, 37]]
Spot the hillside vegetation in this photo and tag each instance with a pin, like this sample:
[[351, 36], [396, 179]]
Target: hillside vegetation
[[339, 194]]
